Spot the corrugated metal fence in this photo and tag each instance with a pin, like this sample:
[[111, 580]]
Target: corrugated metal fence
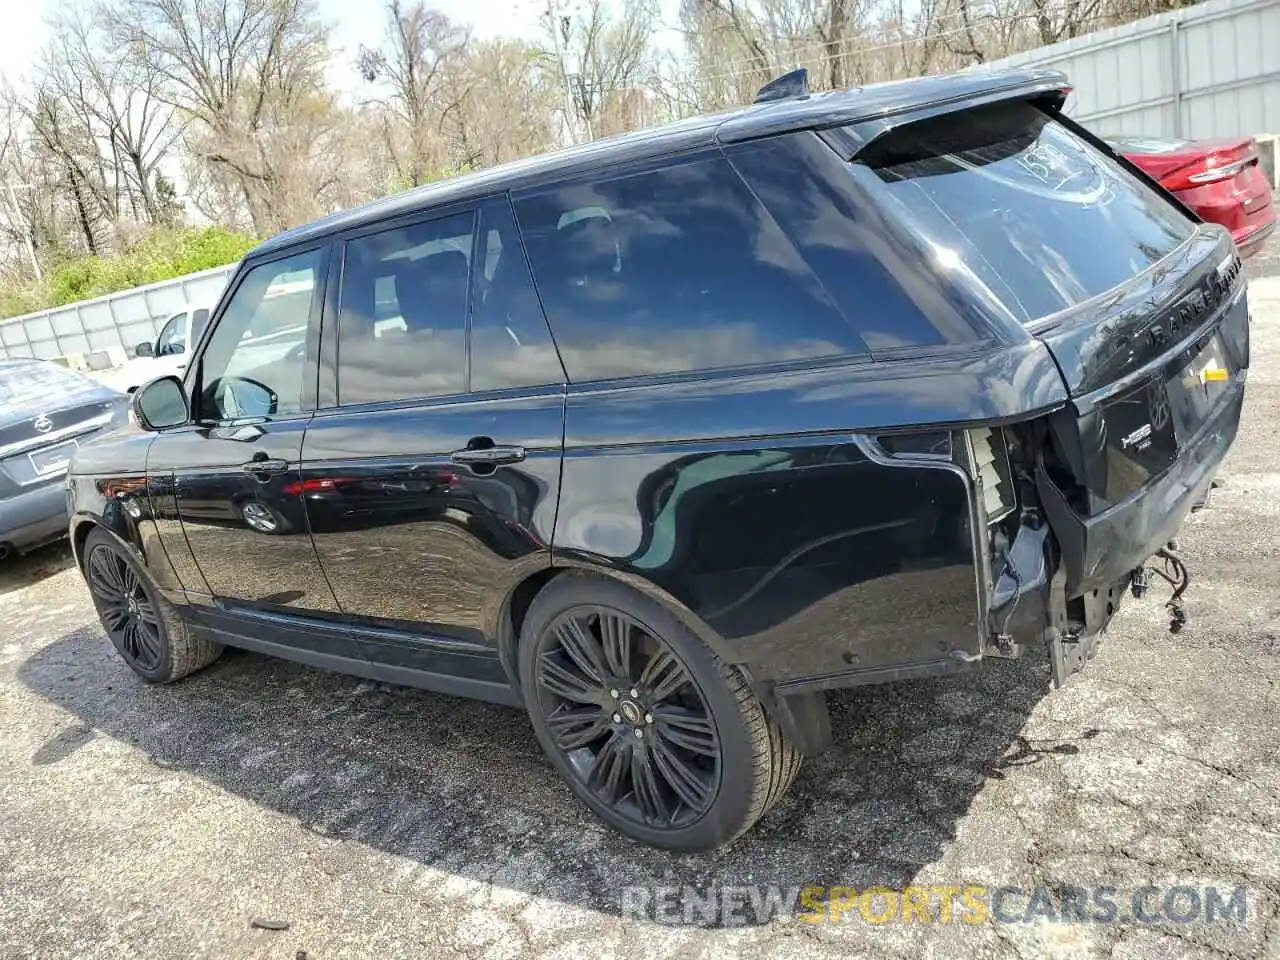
[[113, 324], [1211, 70]]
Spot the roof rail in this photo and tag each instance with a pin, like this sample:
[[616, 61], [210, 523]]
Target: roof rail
[[789, 86]]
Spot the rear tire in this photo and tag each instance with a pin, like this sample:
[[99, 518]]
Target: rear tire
[[707, 761], [141, 624]]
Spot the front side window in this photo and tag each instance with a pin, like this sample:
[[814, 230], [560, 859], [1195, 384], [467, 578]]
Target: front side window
[[172, 338], [255, 362], [1008, 193], [670, 270], [403, 312]]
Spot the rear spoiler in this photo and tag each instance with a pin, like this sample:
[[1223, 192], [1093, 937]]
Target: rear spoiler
[[852, 138], [850, 119]]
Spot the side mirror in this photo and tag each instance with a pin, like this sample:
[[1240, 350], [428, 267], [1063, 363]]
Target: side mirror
[[159, 404], [145, 349]]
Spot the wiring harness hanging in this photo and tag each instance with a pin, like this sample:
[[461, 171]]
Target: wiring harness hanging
[[1174, 572]]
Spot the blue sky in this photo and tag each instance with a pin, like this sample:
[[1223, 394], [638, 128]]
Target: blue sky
[[354, 21]]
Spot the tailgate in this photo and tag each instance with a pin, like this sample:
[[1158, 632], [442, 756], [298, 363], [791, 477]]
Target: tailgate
[[1156, 376], [1141, 307]]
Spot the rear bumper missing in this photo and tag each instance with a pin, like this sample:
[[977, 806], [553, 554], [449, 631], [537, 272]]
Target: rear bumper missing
[[1065, 574], [1100, 550]]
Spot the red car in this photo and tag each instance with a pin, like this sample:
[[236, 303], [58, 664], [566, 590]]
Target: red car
[[1218, 179]]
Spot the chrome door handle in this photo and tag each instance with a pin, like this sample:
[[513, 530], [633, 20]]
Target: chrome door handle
[[265, 466], [488, 456]]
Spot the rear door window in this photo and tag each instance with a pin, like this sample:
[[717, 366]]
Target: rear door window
[[403, 312], [1037, 214], [674, 269], [510, 343]]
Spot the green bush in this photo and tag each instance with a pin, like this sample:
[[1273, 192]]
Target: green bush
[[160, 255]]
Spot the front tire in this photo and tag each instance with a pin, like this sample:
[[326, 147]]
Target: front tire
[[142, 625], [663, 740]]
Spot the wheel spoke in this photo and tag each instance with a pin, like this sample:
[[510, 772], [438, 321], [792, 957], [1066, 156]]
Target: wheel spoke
[[113, 566], [692, 786], [564, 681], [102, 579], [648, 792], [146, 612], [688, 729], [615, 638], [129, 638], [115, 618], [607, 771], [663, 674], [574, 727], [128, 579], [148, 643], [582, 648]]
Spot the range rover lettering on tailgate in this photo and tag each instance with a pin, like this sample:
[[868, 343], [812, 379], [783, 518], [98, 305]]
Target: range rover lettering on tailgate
[[663, 437]]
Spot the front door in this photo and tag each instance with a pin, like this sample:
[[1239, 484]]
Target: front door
[[235, 469], [431, 483]]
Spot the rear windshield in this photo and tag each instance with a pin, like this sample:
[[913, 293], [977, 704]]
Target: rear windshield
[[40, 387], [1038, 215]]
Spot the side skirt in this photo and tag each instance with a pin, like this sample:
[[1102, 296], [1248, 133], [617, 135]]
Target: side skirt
[[334, 646]]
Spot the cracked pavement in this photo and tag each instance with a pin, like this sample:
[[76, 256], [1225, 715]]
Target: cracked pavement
[[385, 822]]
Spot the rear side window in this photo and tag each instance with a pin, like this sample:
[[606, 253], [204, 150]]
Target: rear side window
[[403, 312], [671, 270], [510, 344], [886, 290], [1038, 215]]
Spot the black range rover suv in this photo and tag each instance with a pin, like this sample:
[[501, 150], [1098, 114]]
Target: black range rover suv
[[663, 437]]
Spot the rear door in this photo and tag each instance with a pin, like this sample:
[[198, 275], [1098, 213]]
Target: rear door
[[430, 478]]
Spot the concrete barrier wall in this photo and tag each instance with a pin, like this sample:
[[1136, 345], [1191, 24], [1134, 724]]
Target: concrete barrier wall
[[104, 331]]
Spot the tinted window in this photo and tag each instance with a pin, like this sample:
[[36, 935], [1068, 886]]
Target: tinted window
[[670, 270], [510, 344], [254, 363], [403, 312], [1038, 215], [887, 290]]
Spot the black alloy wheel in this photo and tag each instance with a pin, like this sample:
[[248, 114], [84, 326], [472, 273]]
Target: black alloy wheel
[[127, 609], [628, 718]]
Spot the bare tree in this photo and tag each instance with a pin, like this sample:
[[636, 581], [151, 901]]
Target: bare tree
[[414, 62], [610, 62], [248, 74], [123, 130], [511, 94]]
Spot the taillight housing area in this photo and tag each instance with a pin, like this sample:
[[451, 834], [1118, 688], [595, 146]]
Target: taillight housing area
[[1211, 168], [986, 453]]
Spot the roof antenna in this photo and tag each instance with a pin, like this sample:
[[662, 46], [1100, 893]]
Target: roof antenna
[[790, 85]]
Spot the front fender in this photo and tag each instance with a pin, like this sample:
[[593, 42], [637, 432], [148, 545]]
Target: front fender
[[121, 505]]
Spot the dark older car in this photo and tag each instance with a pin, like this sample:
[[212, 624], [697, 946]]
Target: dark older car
[[665, 436], [46, 412]]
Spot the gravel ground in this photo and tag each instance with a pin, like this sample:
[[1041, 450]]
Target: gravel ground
[[384, 822]]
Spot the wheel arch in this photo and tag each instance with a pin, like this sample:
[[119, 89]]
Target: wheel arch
[[515, 606], [83, 525]]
